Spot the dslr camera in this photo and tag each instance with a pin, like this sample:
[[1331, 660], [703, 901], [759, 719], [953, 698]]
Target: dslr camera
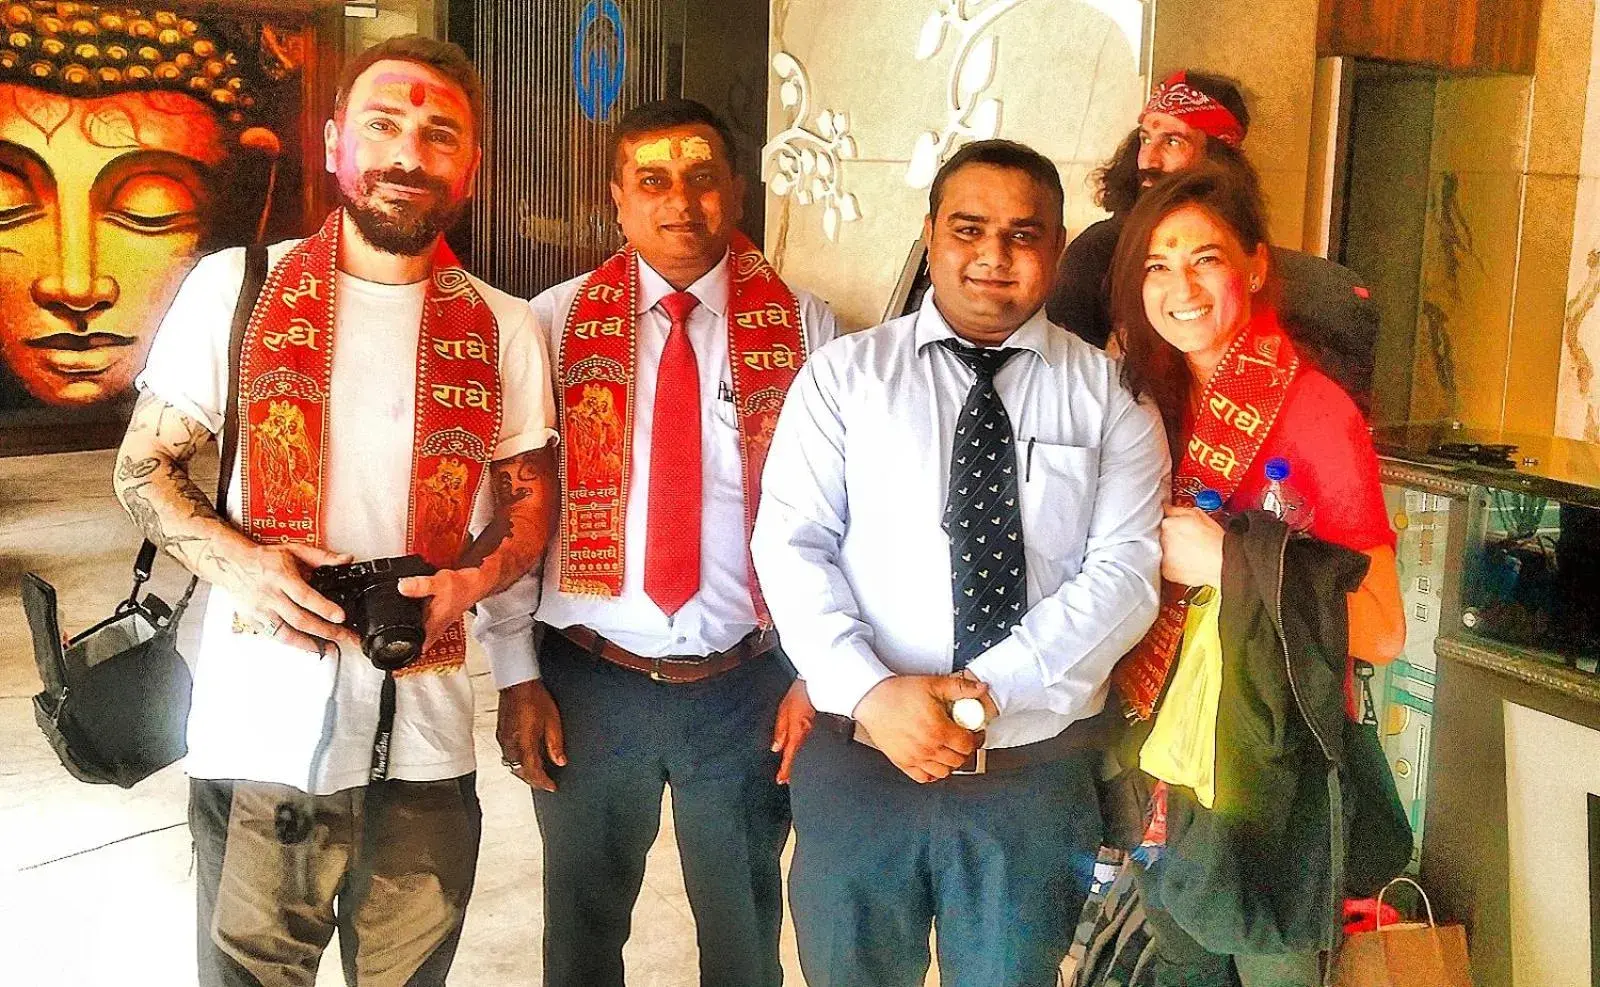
[[390, 625]]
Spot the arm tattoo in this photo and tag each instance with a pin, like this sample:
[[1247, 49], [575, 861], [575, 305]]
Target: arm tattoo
[[152, 480], [144, 515], [199, 504], [131, 470], [515, 537]]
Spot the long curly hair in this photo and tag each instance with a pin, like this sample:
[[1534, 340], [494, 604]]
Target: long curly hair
[[1117, 181]]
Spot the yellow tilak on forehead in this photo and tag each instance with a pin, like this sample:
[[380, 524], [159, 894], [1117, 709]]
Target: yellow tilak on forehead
[[653, 152], [666, 149], [694, 149]]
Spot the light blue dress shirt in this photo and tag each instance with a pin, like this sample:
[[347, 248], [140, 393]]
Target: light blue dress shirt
[[856, 568]]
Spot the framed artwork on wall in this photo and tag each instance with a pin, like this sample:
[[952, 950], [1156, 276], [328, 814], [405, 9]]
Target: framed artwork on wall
[[134, 140]]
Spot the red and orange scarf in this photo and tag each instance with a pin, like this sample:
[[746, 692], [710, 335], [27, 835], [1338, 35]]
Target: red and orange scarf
[[285, 378], [1237, 409], [766, 347]]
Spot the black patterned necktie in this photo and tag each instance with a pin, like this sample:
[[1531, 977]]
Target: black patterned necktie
[[981, 514]]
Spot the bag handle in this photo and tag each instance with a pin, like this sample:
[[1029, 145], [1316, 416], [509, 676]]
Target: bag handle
[[1420, 893], [255, 275]]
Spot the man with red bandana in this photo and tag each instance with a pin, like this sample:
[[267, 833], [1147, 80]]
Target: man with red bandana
[[1192, 116], [388, 404]]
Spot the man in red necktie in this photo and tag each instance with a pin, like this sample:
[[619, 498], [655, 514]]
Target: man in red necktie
[[655, 663]]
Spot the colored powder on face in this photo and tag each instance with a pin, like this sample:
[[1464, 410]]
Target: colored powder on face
[[419, 93], [694, 149], [653, 153]]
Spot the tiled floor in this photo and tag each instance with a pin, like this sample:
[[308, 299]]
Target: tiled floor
[[95, 883]]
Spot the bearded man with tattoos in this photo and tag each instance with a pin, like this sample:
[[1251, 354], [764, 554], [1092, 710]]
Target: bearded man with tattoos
[[390, 404]]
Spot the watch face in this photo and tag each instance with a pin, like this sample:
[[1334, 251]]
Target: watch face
[[968, 714]]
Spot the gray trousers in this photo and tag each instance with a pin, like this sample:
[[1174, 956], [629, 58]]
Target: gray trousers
[[389, 866]]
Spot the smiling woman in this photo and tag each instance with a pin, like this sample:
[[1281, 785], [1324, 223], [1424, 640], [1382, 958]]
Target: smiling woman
[[124, 136]]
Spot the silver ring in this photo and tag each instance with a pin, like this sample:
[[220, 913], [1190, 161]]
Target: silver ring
[[274, 627], [513, 765]]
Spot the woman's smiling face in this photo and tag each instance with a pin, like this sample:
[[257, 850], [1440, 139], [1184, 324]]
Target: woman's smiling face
[[1198, 283], [103, 204]]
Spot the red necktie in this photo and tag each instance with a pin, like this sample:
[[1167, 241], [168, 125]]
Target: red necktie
[[672, 539]]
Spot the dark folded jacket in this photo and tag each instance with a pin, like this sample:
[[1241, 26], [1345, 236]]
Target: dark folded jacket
[[1263, 870]]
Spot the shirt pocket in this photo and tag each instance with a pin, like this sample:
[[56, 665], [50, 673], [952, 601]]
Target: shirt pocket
[[1058, 491], [724, 414]]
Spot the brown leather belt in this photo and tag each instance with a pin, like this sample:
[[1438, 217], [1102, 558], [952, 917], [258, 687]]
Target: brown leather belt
[[672, 668], [1081, 735]]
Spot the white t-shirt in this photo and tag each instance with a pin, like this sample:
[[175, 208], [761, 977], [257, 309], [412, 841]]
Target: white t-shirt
[[263, 711]]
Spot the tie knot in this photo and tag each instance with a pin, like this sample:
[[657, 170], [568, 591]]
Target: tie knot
[[678, 305], [984, 361]]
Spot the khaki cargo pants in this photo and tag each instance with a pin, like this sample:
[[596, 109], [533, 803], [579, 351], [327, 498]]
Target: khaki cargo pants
[[389, 866]]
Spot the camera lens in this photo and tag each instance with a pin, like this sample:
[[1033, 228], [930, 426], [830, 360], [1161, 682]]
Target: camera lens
[[390, 648]]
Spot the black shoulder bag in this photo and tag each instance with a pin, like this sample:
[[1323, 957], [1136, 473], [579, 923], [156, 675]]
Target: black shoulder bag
[[115, 704]]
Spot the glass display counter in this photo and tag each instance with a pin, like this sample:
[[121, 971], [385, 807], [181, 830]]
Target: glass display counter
[[1492, 712]]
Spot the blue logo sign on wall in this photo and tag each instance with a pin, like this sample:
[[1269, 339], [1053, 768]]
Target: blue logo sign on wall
[[599, 58]]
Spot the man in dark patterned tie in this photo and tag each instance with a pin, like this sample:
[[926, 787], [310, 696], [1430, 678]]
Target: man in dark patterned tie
[[958, 538]]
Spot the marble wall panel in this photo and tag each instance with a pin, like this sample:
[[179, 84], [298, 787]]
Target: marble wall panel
[[1066, 78], [1578, 404], [1578, 392], [1563, 68], [1469, 263], [1271, 48], [1480, 123], [1533, 364]]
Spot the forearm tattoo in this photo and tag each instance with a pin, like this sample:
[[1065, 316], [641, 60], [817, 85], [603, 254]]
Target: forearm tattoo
[[514, 539], [153, 483]]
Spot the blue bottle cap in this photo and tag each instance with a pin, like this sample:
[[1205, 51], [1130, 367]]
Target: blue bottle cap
[[1277, 468], [1208, 500]]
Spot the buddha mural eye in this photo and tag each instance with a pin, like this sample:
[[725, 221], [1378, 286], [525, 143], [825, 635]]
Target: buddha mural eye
[[155, 204], [18, 204]]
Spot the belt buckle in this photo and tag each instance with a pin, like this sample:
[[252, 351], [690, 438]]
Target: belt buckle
[[981, 765], [655, 670]]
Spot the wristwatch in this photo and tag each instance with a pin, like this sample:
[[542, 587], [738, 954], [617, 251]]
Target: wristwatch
[[969, 713]]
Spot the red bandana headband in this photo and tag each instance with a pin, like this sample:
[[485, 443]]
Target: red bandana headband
[[1175, 97]]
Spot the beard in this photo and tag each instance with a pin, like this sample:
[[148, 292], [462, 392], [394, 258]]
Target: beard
[[1149, 176], [404, 228]]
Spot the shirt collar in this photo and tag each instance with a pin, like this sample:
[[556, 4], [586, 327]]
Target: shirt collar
[[1036, 335], [711, 289]]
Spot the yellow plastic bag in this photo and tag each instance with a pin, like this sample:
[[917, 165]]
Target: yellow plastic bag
[[1182, 746]]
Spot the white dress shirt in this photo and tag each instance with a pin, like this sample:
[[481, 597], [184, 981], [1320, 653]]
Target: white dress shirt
[[721, 613], [854, 563]]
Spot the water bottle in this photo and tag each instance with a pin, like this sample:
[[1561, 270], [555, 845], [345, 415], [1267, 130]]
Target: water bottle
[[1282, 500], [1210, 501]]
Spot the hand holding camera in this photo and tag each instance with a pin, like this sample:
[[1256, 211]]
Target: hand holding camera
[[268, 585], [388, 623], [448, 593]]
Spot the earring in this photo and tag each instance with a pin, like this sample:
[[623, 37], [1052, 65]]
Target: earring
[[1255, 285]]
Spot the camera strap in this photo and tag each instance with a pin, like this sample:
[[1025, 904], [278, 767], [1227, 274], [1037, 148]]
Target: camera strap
[[380, 743]]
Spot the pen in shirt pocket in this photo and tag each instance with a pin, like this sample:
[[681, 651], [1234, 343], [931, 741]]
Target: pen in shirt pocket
[[1027, 467]]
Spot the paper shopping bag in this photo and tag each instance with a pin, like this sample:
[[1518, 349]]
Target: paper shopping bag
[[1412, 954]]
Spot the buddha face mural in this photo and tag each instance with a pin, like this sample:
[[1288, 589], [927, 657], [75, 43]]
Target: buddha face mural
[[115, 127]]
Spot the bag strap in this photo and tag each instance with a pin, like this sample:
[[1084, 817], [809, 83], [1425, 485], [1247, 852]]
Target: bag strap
[[255, 275], [1420, 894]]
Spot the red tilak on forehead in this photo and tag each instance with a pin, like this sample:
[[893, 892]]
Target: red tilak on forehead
[[415, 89]]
